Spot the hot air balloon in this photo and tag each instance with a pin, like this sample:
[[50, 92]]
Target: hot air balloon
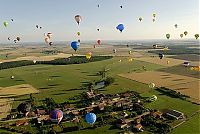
[[40, 27], [98, 5], [56, 116], [75, 45], [120, 27], [78, 19], [153, 98], [88, 55], [79, 40], [181, 35], [196, 36], [161, 55], [114, 50], [98, 42], [34, 61], [94, 46], [50, 43], [176, 25], [121, 6], [185, 33], [49, 35], [46, 40], [153, 20], [129, 52], [168, 62], [78, 33], [167, 36], [152, 85], [8, 38], [5, 24], [140, 19], [18, 38], [37, 26], [98, 29], [154, 15], [12, 77], [90, 118], [11, 19], [15, 41], [130, 59]]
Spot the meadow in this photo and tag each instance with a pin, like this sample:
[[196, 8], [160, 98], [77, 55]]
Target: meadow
[[64, 81]]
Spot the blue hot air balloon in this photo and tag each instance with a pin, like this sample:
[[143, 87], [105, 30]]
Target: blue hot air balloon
[[120, 27], [90, 118], [56, 116], [161, 55], [75, 45]]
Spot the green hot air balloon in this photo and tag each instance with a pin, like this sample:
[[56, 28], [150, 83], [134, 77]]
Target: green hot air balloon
[[5, 24], [196, 36], [167, 36]]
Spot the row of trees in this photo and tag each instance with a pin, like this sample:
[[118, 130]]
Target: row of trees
[[60, 61]]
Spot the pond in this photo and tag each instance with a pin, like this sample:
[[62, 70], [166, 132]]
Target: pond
[[99, 85]]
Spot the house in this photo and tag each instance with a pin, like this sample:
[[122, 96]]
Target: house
[[39, 112], [123, 123], [138, 120], [101, 106], [138, 127], [75, 112], [124, 104], [21, 122], [68, 107], [175, 114], [157, 114], [90, 94]]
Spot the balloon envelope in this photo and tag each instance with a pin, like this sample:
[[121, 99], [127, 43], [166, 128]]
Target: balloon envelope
[[99, 42], [75, 45], [56, 116], [120, 27], [90, 118], [78, 33], [78, 19], [181, 35], [88, 55], [196, 36], [185, 33], [167, 36], [5, 24]]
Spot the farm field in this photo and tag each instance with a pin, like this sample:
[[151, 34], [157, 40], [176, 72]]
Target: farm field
[[186, 85]]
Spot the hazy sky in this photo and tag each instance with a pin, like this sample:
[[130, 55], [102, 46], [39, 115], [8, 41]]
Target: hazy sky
[[57, 16]]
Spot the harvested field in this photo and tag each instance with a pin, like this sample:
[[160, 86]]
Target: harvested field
[[183, 84]]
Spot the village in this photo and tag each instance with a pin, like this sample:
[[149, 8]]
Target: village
[[125, 111]]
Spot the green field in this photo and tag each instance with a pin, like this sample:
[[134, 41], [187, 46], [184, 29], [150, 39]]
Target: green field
[[64, 81]]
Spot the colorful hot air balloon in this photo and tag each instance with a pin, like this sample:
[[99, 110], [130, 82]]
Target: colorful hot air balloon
[[120, 27], [185, 33], [56, 116], [5, 24], [181, 35], [140, 19], [90, 118], [88, 55], [78, 33], [18, 38], [46, 40], [196, 36], [176, 25], [167, 36], [98, 42], [75, 45], [49, 35], [78, 19], [114, 50], [161, 55]]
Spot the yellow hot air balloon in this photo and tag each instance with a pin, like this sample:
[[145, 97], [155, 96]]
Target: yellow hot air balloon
[[88, 55], [131, 59], [129, 52], [154, 15], [168, 62], [78, 33]]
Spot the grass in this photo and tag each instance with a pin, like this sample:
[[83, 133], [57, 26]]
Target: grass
[[63, 81]]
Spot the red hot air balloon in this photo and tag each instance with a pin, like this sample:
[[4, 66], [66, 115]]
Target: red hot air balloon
[[98, 42]]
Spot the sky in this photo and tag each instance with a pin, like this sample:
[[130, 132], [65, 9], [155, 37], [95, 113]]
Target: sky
[[57, 17]]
